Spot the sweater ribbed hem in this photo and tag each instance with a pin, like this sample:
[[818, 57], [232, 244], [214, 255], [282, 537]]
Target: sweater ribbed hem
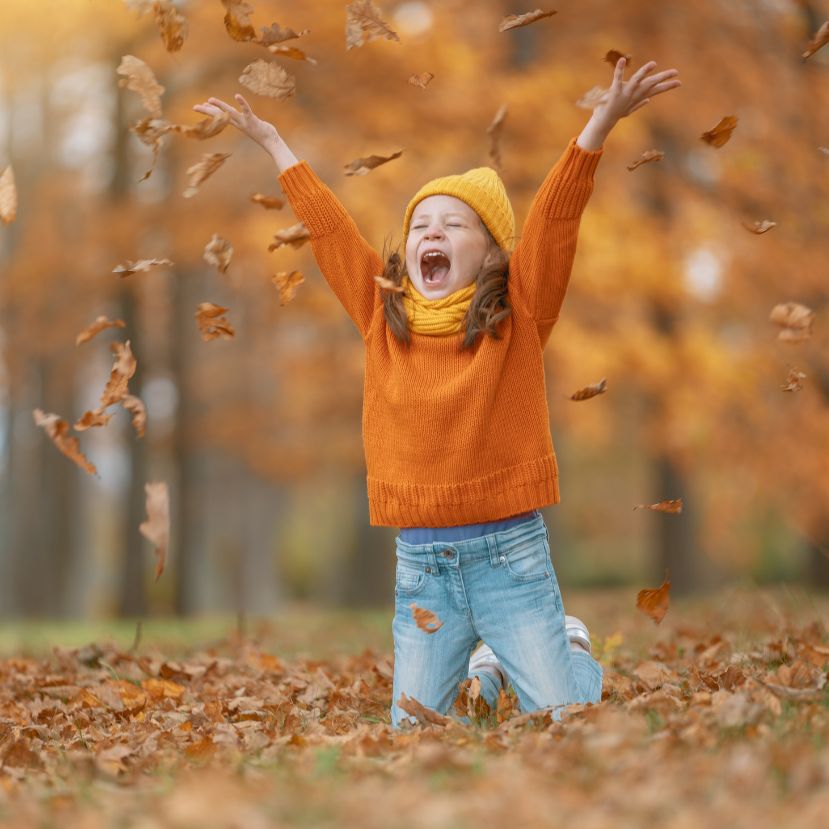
[[573, 180], [503, 493]]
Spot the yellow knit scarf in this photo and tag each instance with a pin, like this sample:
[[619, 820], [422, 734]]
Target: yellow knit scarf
[[436, 316]]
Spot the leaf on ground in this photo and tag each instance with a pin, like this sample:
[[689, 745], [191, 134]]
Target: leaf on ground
[[423, 714]]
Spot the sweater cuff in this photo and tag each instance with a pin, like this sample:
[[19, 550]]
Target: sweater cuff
[[580, 163], [299, 180]]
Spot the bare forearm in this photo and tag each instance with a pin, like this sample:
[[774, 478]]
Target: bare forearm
[[593, 135], [281, 153]]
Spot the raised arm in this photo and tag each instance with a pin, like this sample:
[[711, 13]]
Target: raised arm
[[346, 259], [541, 263]]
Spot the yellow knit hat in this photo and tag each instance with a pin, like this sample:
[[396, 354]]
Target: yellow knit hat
[[482, 189]]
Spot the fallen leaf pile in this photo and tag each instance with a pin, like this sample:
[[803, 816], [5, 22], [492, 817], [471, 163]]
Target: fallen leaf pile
[[702, 728]]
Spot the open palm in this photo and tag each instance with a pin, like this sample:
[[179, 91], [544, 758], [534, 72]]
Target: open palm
[[262, 132], [624, 97]]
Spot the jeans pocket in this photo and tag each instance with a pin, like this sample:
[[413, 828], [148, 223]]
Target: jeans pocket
[[529, 559], [409, 577]]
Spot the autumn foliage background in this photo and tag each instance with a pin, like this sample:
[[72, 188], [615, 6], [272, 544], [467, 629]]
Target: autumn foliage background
[[258, 436]]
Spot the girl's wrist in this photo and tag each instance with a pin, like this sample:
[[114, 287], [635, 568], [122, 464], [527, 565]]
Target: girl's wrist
[[595, 132]]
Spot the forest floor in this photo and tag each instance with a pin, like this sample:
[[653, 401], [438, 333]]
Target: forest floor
[[717, 716]]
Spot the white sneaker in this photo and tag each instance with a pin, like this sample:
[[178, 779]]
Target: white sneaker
[[577, 633], [484, 660]]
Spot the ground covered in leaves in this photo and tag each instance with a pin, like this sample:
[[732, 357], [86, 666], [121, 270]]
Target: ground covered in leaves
[[718, 716]]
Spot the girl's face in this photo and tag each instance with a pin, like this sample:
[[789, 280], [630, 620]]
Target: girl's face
[[459, 242]]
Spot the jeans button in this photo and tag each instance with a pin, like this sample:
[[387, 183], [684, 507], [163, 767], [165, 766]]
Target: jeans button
[[502, 559], [447, 553]]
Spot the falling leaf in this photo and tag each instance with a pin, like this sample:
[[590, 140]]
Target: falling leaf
[[824, 150], [613, 57], [276, 34], [363, 166], [648, 155], [212, 323], [721, 133], [237, 20], [140, 78], [8, 196], [156, 528], [268, 79], [593, 97], [218, 252], [426, 620], [671, 506], [295, 236], [494, 133], [202, 170], [388, 285], [425, 715], [513, 21], [291, 52], [58, 431], [287, 283], [268, 202], [819, 39], [123, 370], [795, 321], [206, 128], [135, 406], [654, 602], [590, 391], [507, 705], [364, 24], [100, 324], [760, 226], [422, 80], [172, 25], [151, 131], [793, 380], [91, 419], [130, 268]]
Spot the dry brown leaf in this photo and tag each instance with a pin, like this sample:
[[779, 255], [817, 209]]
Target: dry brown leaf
[[58, 431], [287, 282], [206, 128], [363, 166], [91, 419], [218, 252], [506, 707], [268, 79], [795, 321], [721, 133], [130, 267], [268, 202], [291, 52], [494, 133], [135, 406], [590, 391], [422, 80], [593, 97], [648, 155], [426, 620], [655, 602], [140, 78], [122, 372], [172, 26], [237, 20], [156, 528], [819, 39], [100, 324], [793, 380], [613, 57], [212, 323], [760, 226], [295, 236], [151, 131], [8, 196], [673, 505], [425, 715], [513, 21], [364, 24], [202, 170], [388, 285], [276, 34]]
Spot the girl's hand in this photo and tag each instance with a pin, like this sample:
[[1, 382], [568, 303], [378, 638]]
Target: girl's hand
[[262, 132], [625, 97]]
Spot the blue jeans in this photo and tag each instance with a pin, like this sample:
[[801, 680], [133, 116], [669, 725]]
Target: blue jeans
[[501, 588]]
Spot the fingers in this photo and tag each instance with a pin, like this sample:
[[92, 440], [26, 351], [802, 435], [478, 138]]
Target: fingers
[[641, 72], [619, 72], [222, 105]]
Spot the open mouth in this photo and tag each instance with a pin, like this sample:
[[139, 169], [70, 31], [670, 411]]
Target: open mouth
[[434, 267]]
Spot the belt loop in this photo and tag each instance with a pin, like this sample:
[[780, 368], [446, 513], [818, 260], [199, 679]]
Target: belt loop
[[492, 546]]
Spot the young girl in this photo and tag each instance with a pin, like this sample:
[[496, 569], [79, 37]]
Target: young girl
[[455, 421]]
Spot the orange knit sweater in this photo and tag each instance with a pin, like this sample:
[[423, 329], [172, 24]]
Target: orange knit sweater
[[452, 436]]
